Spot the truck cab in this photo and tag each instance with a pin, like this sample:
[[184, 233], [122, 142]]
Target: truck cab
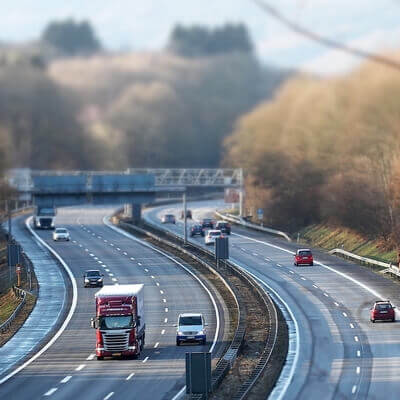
[[44, 217]]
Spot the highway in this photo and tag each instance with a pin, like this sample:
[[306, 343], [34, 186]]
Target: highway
[[336, 353], [69, 369]]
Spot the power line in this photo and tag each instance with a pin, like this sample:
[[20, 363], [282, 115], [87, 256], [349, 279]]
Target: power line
[[272, 11]]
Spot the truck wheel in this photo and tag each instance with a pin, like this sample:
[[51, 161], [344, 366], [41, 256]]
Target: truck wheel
[[178, 342], [142, 344], [100, 358]]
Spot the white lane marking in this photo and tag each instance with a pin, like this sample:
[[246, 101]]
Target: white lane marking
[[130, 376], [109, 396], [118, 249], [66, 379], [316, 287], [255, 254], [96, 258], [291, 271], [116, 284], [50, 392], [80, 245], [353, 390], [157, 284], [344, 314], [125, 253], [267, 259], [367, 288], [104, 265], [145, 359], [278, 265], [165, 320], [358, 353], [132, 259], [100, 262], [166, 309], [98, 237], [91, 357], [139, 263], [70, 312], [111, 245], [146, 270], [156, 345], [152, 277], [86, 249], [356, 338], [74, 241], [161, 291], [113, 279], [80, 367], [242, 249], [351, 326], [358, 369], [326, 294], [162, 332], [111, 274], [302, 278], [336, 304], [164, 300], [105, 240], [107, 270], [217, 328], [91, 255]]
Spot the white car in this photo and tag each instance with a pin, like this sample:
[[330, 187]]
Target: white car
[[211, 235], [61, 234], [191, 328]]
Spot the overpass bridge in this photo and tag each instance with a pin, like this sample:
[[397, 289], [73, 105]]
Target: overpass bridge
[[134, 186]]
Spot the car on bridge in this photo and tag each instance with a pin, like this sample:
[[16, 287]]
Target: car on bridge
[[168, 219], [93, 277], [191, 328], [61, 234], [382, 310], [303, 256], [188, 214], [211, 235], [196, 229]]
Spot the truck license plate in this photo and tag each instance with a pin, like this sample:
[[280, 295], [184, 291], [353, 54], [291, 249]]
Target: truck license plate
[[190, 337], [116, 354]]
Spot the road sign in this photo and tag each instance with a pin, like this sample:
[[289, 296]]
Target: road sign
[[221, 248], [198, 373], [260, 213]]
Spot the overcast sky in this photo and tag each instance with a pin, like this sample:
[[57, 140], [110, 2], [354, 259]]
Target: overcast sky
[[145, 25]]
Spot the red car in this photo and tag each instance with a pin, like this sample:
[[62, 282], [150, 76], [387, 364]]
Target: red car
[[303, 256], [382, 311]]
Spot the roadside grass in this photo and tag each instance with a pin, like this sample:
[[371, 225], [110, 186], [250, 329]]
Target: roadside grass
[[8, 303], [328, 238]]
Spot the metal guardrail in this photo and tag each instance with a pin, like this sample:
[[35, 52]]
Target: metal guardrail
[[241, 221], [389, 267], [228, 359], [20, 294]]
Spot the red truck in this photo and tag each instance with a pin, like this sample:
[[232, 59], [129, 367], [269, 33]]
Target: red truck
[[120, 321]]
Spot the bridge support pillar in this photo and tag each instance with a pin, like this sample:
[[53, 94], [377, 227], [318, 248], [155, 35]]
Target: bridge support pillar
[[136, 213]]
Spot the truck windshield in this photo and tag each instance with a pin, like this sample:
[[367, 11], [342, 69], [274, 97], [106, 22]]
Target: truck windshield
[[46, 211], [194, 320], [116, 322]]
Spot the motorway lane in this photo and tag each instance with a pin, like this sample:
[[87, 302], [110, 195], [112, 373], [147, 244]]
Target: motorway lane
[[342, 355], [69, 369]]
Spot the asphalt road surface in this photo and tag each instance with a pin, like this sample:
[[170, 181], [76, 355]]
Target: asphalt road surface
[[69, 369], [337, 353]]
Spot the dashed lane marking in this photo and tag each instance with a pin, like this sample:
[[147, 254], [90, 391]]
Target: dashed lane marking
[[156, 345], [109, 396], [91, 357], [80, 367], [51, 391], [130, 376], [66, 379], [162, 332], [145, 360]]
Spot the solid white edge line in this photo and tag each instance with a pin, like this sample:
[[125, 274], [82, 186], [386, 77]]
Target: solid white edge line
[[126, 234], [70, 313]]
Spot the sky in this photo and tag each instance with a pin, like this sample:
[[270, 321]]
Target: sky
[[145, 25]]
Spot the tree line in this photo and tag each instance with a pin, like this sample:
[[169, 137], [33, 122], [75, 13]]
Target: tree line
[[325, 150]]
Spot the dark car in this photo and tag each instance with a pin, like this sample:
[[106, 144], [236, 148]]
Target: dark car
[[188, 214], [303, 256], [196, 229], [93, 277], [168, 219], [207, 223], [224, 227], [382, 311]]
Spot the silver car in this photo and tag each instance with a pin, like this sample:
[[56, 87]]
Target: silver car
[[61, 234]]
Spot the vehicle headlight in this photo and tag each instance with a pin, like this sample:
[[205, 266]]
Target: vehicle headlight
[[201, 332], [99, 280], [180, 333], [86, 280]]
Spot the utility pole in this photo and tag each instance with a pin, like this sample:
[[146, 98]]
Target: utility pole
[[184, 219]]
